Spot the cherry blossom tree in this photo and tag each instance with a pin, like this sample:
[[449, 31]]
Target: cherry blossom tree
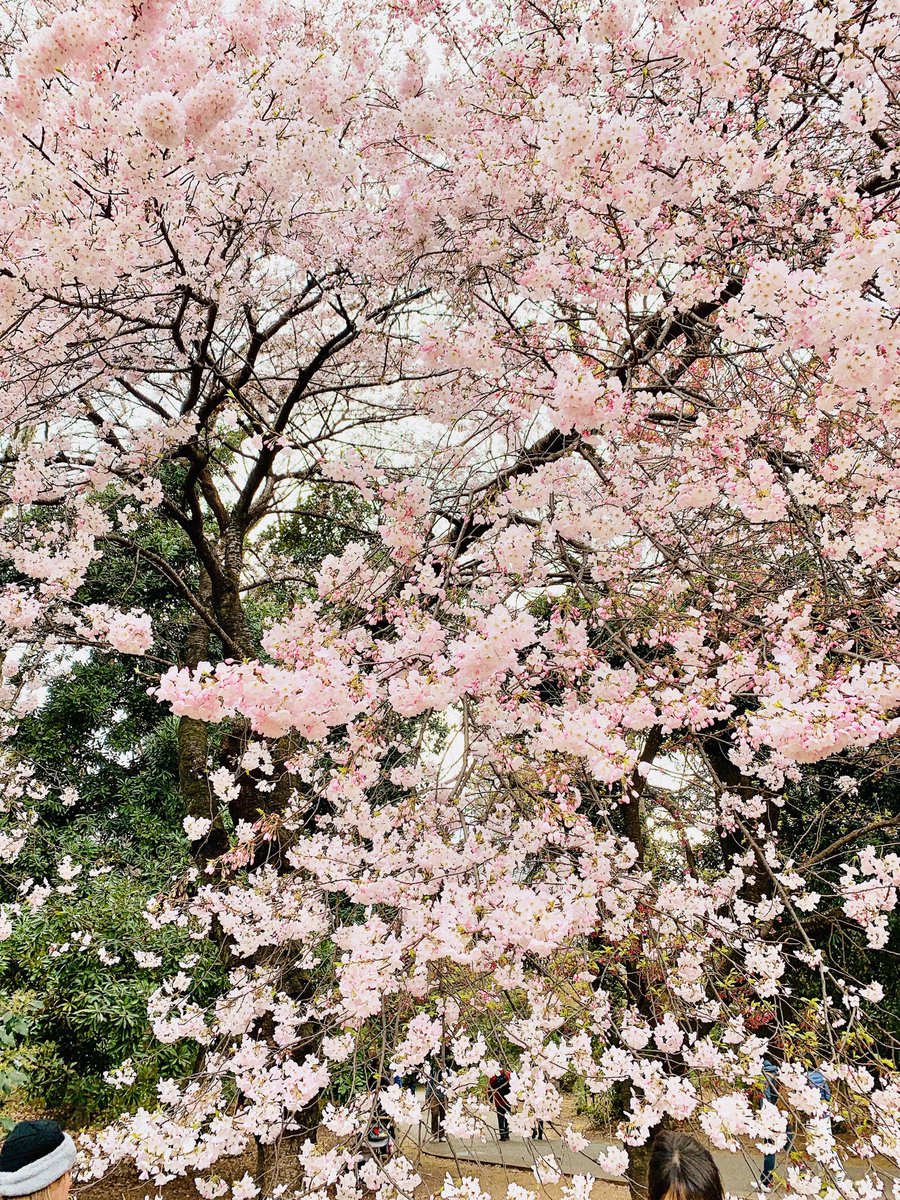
[[584, 317]]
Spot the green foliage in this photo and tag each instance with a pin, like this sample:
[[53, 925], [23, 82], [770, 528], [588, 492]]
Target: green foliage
[[602, 1111], [325, 521], [16, 1024], [79, 949], [71, 974], [100, 733]]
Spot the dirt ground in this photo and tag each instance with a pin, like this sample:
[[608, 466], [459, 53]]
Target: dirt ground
[[123, 1184]]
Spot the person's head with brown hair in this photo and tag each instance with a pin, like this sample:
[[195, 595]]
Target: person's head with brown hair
[[36, 1162], [682, 1169]]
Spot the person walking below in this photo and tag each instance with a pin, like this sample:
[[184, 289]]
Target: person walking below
[[770, 1096], [538, 1132], [822, 1126], [681, 1169], [499, 1091], [436, 1099], [380, 1114], [36, 1160]]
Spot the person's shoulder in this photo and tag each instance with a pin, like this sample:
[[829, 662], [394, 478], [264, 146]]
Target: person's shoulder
[[817, 1079]]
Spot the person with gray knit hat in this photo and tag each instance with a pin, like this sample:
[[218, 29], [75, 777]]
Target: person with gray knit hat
[[36, 1160]]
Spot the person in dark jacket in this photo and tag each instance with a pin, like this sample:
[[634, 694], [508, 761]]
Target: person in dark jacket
[[499, 1087], [381, 1115], [436, 1099]]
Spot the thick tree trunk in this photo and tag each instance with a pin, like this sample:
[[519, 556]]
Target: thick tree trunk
[[276, 1161], [227, 601], [633, 815], [193, 752], [639, 1163]]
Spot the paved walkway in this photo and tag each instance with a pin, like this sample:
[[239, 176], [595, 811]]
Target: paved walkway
[[739, 1171]]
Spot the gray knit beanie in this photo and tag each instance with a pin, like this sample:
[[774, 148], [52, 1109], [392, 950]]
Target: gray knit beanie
[[34, 1155]]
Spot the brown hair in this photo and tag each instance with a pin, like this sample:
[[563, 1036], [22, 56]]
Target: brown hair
[[682, 1169]]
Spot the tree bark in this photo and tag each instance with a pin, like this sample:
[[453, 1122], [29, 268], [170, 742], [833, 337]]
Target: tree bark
[[634, 822], [222, 596], [193, 751], [639, 1162]]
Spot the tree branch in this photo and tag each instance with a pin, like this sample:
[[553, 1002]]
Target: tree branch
[[887, 823], [168, 572]]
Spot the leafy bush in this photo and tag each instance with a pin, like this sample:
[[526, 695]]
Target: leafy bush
[[16, 1024], [79, 950], [75, 950]]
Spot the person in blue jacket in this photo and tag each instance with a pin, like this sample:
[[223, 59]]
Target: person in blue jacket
[[818, 1081], [770, 1096]]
